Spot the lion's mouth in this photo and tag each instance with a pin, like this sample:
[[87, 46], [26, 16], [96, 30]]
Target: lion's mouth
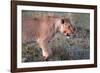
[[68, 35]]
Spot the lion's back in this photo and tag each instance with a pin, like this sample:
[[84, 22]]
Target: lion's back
[[34, 28]]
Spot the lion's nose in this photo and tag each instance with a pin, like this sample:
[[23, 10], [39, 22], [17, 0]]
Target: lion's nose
[[64, 31]]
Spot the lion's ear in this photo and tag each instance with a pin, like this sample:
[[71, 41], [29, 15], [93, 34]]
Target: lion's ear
[[62, 21]]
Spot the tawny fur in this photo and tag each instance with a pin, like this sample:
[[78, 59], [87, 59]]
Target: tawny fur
[[42, 30]]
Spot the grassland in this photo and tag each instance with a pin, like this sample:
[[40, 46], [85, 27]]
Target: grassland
[[75, 48]]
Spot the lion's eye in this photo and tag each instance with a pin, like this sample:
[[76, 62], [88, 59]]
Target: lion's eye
[[62, 21]]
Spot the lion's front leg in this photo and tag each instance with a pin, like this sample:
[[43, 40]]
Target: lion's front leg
[[46, 51]]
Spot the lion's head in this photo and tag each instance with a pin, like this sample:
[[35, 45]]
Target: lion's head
[[65, 27]]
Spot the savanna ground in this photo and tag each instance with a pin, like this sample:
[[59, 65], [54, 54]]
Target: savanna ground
[[75, 48]]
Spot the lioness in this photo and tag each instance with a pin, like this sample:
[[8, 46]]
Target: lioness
[[43, 29]]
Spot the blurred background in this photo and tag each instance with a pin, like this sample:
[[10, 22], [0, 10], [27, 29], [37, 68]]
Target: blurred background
[[76, 48]]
